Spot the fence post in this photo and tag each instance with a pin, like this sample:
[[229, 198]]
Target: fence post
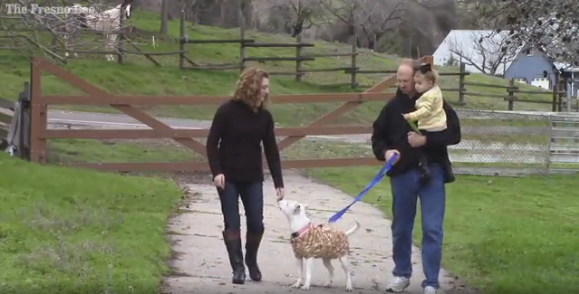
[[555, 88], [121, 35], [560, 94], [182, 39], [551, 125], [461, 85], [298, 61], [511, 94], [38, 115], [353, 83], [241, 36], [24, 136]]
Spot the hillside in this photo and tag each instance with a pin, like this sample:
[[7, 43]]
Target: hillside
[[140, 76]]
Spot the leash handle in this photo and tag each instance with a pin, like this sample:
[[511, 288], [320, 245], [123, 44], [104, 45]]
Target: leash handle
[[374, 181]]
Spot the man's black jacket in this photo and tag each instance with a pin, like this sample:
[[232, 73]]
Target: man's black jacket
[[391, 132]]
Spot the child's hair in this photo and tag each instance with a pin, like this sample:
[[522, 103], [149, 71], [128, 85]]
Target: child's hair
[[426, 70]]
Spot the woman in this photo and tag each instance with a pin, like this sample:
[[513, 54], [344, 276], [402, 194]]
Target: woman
[[239, 127]]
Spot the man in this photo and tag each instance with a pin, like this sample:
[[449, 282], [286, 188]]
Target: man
[[394, 136]]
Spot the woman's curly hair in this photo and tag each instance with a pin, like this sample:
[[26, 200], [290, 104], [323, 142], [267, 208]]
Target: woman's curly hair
[[248, 88]]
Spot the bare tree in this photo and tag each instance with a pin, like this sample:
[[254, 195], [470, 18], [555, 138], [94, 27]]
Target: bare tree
[[549, 26], [381, 17], [468, 15], [346, 11], [297, 15], [483, 51], [29, 27]]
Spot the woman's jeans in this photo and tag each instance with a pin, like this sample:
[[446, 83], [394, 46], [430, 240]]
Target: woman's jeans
[[251, 194]]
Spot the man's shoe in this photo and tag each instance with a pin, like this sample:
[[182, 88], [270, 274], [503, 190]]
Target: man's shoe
[[398, 284], [429, 290]]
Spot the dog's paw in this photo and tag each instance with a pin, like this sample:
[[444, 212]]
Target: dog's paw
[[349, 289], [297, 284], [328, 284], [305, 287]]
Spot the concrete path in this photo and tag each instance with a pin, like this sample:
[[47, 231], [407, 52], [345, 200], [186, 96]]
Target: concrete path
[[202, 263]]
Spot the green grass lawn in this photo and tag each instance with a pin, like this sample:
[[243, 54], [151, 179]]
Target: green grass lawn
[[67, 151], [71, 231], [502, 235]]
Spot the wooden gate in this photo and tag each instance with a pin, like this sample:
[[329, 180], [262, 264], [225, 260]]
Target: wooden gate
[[564, 148], [96, 96]]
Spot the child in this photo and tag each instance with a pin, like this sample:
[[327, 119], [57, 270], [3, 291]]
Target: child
[[429, 114]]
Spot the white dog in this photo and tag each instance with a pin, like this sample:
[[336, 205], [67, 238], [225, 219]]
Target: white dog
[[310, 242]]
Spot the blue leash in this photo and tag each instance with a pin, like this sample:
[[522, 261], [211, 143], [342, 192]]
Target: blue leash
[[374, 181]]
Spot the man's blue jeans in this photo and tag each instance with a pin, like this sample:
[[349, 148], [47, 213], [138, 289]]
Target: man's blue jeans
[[406, 189]]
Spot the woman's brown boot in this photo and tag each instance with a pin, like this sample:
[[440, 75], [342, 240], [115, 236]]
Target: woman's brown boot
[[251, 248], [233, 244]]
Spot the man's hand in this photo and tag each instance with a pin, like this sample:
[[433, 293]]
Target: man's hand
[[279, 193], [389, 153], [416, 140]]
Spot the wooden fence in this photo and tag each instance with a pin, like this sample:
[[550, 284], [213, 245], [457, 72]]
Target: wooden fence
[[35, 107], [40, 134], [512, 92], [299, 58], [6, 113]]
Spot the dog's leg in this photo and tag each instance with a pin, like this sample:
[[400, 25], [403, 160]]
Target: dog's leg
[[300, 266], [344, 262], [328, 264], [308, 265]]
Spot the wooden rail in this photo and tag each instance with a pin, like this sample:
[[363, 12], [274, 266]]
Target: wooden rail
[[40, 133], [6, 113]]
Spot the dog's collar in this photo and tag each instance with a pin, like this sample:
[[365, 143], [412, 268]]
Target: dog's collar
[[301, 231]]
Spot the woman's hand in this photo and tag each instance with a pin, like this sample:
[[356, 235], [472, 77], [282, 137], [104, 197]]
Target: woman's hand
[[280, 193], [219, 181]]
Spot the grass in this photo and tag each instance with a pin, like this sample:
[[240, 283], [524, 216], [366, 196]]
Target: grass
[[502, 235], [487, 243], [140, 76], [503, 154], [71, 231], [66, 151]]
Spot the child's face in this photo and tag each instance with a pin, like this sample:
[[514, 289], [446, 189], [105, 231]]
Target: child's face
[[421, 83]]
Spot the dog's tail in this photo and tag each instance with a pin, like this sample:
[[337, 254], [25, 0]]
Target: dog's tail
[[353, 229]]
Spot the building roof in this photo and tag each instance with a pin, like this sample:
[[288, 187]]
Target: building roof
[[566, 67], [466, 44]]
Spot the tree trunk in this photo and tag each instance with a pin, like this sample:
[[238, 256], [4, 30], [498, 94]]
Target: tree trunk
[[164, 17]]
